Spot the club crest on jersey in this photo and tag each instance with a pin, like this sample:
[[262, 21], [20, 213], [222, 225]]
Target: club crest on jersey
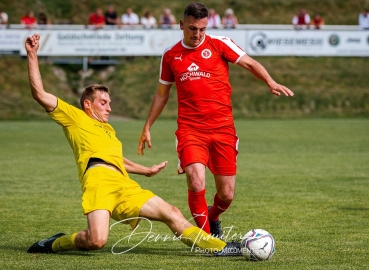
[[194, 73], [206, 53]]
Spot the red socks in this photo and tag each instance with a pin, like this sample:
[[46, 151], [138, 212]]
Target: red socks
[[199, 209], [218, 207]]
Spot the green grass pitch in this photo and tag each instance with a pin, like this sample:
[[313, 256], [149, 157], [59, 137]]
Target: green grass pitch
[[304, 181]]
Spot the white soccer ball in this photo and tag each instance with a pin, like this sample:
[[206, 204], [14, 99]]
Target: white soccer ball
[[258, 245]]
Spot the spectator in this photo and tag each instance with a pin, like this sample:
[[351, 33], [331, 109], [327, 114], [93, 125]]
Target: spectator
[[214, 19], [29, 20], [111, 16], [97, 19], [229, 20], [3, 17], [148, 21], [317, 21], [42, 19], [364, 19], [301, 20], [130, 18], [167, 19]]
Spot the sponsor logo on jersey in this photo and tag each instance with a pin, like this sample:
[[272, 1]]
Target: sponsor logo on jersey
[[193, 67], [178, 57], [194, 73], [206, 53]]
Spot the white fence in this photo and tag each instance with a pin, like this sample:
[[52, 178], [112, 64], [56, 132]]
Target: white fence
[[256, 40]]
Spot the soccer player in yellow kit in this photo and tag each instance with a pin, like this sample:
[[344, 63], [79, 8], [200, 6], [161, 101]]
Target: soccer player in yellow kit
[[107, 190]]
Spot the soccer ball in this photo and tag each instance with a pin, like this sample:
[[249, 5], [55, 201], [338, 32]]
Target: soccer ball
[[257, 245]]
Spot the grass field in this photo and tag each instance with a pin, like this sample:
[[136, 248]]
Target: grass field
[[305, 181]]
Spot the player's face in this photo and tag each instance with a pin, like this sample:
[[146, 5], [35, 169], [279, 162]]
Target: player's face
[[99, 109], [193, 30]]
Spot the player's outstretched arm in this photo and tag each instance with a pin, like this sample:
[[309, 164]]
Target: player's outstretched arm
[[261, 73], [132, 167], [158, 103], [46, 100]]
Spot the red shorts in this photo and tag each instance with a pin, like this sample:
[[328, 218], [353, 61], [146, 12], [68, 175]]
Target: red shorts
[[216, 149]]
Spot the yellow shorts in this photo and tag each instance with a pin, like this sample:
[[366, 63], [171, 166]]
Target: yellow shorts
[[106, 189]]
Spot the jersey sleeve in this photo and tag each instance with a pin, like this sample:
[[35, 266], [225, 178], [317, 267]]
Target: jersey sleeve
[[230, 50], [166, 75], [66, 115]]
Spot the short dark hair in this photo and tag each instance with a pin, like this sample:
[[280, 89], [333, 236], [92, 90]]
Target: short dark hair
[[89, 93], [196, 10]]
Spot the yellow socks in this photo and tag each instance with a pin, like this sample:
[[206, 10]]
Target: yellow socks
[[64, 243], [195, 237]]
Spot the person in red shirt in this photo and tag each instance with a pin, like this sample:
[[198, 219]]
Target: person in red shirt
[[97, 19], [317, 21], [29, 20], [206, 135]]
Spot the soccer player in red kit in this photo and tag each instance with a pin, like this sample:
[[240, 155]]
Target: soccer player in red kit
[[206, 136]]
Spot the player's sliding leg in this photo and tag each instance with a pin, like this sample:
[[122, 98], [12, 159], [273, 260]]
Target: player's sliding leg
[[222, 200], [195, 173], [157, 209], [95, 237]]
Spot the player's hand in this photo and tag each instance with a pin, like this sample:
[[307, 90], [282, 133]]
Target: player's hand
[[145, 138], [277, 89], [32, 43], [155, 169]]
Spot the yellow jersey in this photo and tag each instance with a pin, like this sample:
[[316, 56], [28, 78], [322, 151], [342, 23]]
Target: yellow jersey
[[88, 137]]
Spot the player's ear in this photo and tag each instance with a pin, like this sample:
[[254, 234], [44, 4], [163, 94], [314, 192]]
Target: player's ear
[[87, 104], [181, 24]]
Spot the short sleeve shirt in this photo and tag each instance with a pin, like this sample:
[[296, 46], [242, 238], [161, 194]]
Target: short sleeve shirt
[[202, 80], [88, 137], [95, 19], [130, 19]]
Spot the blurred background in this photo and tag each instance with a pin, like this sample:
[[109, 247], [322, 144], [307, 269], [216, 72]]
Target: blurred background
[[324, 86]]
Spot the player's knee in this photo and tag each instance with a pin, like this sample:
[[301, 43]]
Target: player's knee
[[226, 197], [196, 185], [97, 242]]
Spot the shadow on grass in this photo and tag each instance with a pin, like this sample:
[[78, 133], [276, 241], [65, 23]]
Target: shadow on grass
[[150, 251], [177, 252]]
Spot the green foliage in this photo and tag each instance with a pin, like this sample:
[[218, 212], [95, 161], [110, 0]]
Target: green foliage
[[305, 181], [323, 86], [17, 101]]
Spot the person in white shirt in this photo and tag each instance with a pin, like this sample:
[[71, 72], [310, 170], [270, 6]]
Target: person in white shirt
[[301, 20], [148, 21], [130, 18], [364, 19], [214, 19], [3, 17]]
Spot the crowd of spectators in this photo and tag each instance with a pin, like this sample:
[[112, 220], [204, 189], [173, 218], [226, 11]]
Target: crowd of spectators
[[98, 19]]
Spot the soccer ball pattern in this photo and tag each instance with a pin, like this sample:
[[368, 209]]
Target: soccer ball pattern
[[258, 245]]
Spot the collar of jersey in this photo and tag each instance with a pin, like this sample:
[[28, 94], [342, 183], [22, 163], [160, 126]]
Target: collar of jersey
[[191, 48]]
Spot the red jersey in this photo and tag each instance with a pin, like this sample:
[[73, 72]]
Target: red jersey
[[96, 19], [28, 20], [201, 77]]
